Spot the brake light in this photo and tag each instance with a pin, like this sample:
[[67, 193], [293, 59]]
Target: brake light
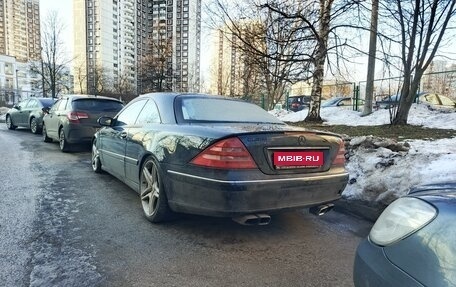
[[226, 154], [74, 117], [340, 157]]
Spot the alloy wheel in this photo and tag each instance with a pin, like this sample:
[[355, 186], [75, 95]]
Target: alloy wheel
[[96, 163], [45, 136], [34, 126], [150, 188], [64, 146], [9, 123]]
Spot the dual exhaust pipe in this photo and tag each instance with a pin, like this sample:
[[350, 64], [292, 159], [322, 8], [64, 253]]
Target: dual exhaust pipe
[[264, 219]]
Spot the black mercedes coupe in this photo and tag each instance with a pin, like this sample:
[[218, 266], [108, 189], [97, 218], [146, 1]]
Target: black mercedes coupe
[[217, 156]]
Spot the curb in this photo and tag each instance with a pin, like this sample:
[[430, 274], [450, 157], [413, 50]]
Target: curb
[[359, 208]]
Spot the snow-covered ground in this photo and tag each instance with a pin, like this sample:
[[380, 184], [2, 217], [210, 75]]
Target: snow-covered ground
[[379, 170]]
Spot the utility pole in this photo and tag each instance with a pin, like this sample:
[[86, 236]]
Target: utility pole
[[371, 62], [17, 88], [42, 74]]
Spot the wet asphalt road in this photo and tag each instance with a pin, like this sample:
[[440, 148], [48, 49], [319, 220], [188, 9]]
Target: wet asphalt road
[[63, 225]]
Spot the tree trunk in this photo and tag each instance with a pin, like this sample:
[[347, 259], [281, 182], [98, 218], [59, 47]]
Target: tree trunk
[[320, 58], [371, 63]]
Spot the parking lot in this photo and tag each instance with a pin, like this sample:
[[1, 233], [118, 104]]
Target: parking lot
[[63, 225]]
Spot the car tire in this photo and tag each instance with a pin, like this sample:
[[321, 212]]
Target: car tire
[[96, 163], [63, 143], [152, 193], [46, 139], [9, 123], [34, 126]]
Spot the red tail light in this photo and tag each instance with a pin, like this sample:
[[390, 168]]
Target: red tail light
[[340, 157], [226, 154], [74, 117]]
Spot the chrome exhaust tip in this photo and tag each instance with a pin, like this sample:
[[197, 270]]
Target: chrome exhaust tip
[[321, 209]]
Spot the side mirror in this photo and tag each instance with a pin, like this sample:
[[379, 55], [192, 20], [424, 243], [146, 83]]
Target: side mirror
[[105, 121], [45, 110], [17, 107]]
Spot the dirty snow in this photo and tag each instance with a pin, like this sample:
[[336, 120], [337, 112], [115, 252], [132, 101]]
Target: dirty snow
[[384, 170]]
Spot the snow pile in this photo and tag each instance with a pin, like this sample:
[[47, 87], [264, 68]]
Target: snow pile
[[382, 169], [420, 115]]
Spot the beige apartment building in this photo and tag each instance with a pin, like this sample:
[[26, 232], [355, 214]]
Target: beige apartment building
[[234, 71], [20, 29], [113, 38]]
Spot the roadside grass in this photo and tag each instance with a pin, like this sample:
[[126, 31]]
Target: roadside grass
[[386, 131]]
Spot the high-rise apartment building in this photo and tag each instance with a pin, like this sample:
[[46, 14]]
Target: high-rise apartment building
[[20, 29], [114, 38], [177, 23], [236, 70], [107, 37]]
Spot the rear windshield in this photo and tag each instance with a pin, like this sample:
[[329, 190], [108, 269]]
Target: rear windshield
[[202, 109], [97, 105]]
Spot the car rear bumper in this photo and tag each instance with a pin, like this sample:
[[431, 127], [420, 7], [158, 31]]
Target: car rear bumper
[[372, 268], [229, 198], [80, 134]]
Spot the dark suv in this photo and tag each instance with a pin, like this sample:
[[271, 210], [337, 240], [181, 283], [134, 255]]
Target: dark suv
[[73, 118], [297, 103]]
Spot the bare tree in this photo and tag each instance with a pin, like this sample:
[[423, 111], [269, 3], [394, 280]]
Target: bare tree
[[267, 41], [80, 75], [124, 85], [298, 37], [156, 68], [54, 62], [418, 28], [239, 72], [103, 82]]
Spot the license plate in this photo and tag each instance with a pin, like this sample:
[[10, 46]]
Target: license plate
[[298, 159]]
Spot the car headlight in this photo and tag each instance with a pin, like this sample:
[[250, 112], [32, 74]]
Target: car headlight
[[400, 219]]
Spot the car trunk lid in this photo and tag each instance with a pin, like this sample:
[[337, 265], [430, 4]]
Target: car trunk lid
[[291, 152]]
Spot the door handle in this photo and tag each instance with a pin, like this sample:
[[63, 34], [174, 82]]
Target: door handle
[[123, 135]]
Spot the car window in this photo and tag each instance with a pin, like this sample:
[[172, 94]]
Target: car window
[[62, 105], [99, 105], [33, 104], [59, 105], [445, 101], [345, 102], [198, 109], [55, 106], [129, 115], [149, 114], [328, 102], [23, 104]]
